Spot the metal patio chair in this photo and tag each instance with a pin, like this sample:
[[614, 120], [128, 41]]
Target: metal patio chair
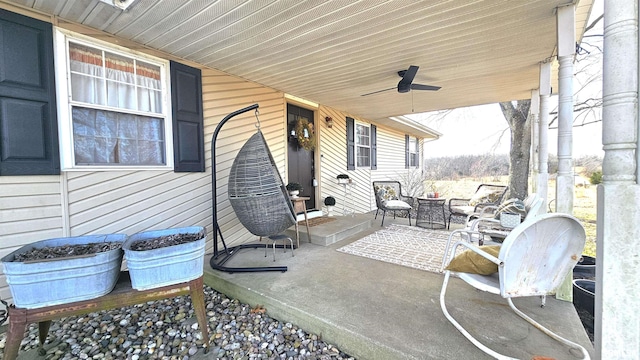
[[534, 260], [489, 223], [389, 197], [485, 195]]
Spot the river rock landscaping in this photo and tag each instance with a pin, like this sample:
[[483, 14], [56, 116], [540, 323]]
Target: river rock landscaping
[[167, 329]]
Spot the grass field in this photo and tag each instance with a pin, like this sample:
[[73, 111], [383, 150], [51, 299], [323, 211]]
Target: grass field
[[584, 201]]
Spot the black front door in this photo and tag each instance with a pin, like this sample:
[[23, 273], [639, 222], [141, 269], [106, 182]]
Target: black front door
[[300, 165]]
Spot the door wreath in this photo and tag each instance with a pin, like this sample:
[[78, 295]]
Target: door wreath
[[305, 134]]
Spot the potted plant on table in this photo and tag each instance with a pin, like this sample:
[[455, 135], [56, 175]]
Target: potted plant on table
[[343, 178], [330, 202], [294, 189]]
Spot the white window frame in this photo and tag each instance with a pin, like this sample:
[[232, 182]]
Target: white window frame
[[64, 101], [414, 156], [357, 145]]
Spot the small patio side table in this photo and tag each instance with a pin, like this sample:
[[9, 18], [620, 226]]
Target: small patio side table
[[428, 209], [300, 205]]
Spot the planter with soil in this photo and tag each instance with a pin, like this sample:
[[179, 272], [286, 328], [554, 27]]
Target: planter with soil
[[584, 301], [63, 270], [165, 257]]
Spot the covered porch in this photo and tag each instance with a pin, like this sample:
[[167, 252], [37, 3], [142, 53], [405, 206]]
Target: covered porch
[[372, 309], [478, 52]]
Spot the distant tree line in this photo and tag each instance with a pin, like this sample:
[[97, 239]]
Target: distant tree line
[[488, 165]]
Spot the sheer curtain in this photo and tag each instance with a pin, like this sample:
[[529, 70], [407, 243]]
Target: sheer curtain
[[115, 137]]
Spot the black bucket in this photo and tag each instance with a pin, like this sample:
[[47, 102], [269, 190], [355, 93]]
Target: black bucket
[[584, 300], [585, 268]]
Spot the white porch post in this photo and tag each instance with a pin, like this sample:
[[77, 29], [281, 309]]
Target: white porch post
[[535, 138], [543, 132], [617, 315], [565, 180]]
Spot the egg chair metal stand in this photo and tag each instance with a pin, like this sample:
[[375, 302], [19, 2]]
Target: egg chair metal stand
[[257, 195]]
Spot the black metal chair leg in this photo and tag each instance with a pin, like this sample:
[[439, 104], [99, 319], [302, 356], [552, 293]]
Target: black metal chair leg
[[384, 212], [375, 217]]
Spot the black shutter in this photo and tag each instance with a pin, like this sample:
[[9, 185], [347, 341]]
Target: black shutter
[[406, 151], [418, 152], [188, 131], [374, 148], [28, 122], [351, 155]]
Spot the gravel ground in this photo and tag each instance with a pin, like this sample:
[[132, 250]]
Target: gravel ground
[[168, 329]]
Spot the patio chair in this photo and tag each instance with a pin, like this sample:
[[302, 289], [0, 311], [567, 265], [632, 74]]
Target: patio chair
[[489, 223], [533, 260], [389, 197], [485, 195], [257, 193]]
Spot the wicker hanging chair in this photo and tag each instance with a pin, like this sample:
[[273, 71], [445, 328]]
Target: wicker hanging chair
[[257, 195], [256, 191]]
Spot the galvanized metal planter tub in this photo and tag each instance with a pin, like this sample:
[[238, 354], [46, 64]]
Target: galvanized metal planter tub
[[165, 266], [36, 284]]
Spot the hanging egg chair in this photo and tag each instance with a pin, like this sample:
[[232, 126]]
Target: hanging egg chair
[[257, 195], [256, 191]]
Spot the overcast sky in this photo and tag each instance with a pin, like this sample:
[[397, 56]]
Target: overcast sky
[[478, 129]]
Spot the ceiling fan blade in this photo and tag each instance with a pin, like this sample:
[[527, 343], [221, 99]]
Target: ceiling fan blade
[[407, 78], [379, 91], [424, 87], [408, 75]]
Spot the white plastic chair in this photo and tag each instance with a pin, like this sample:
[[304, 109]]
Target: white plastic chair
[[534, 260]]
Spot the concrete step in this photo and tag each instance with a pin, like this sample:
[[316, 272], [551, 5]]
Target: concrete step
[[331, 232]]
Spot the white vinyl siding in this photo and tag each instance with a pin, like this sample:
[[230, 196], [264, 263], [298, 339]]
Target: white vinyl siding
[[31, 209], [332, 144]]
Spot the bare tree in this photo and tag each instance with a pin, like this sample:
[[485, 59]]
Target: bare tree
[[517, 117]]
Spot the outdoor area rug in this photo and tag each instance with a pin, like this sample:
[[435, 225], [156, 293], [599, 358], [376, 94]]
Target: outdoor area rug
[[403, 245]]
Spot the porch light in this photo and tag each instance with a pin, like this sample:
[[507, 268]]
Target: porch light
[[329, 121]]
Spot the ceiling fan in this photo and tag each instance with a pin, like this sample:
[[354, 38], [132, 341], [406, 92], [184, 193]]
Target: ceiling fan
[[406, 83]]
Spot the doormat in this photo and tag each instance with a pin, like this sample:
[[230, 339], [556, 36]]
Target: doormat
[[409, 246], [317, 221]]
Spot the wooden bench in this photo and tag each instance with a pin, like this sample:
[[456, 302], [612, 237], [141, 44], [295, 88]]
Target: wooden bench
[[122, 295]]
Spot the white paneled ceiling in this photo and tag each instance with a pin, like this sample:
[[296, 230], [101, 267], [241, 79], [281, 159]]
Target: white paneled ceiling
[[332, 52]]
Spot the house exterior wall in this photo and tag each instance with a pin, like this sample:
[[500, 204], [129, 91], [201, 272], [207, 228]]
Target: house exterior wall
[[333, 161], [75, 203], [31, 209]]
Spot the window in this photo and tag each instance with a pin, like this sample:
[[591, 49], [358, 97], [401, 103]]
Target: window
[[413, 152], [112, 106], [363, 145]]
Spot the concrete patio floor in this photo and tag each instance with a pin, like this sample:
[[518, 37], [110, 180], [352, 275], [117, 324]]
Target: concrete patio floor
[[376, 310]]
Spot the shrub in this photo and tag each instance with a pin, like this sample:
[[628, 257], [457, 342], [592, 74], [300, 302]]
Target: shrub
[[330, 201], [292, 186], [596, 178]]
